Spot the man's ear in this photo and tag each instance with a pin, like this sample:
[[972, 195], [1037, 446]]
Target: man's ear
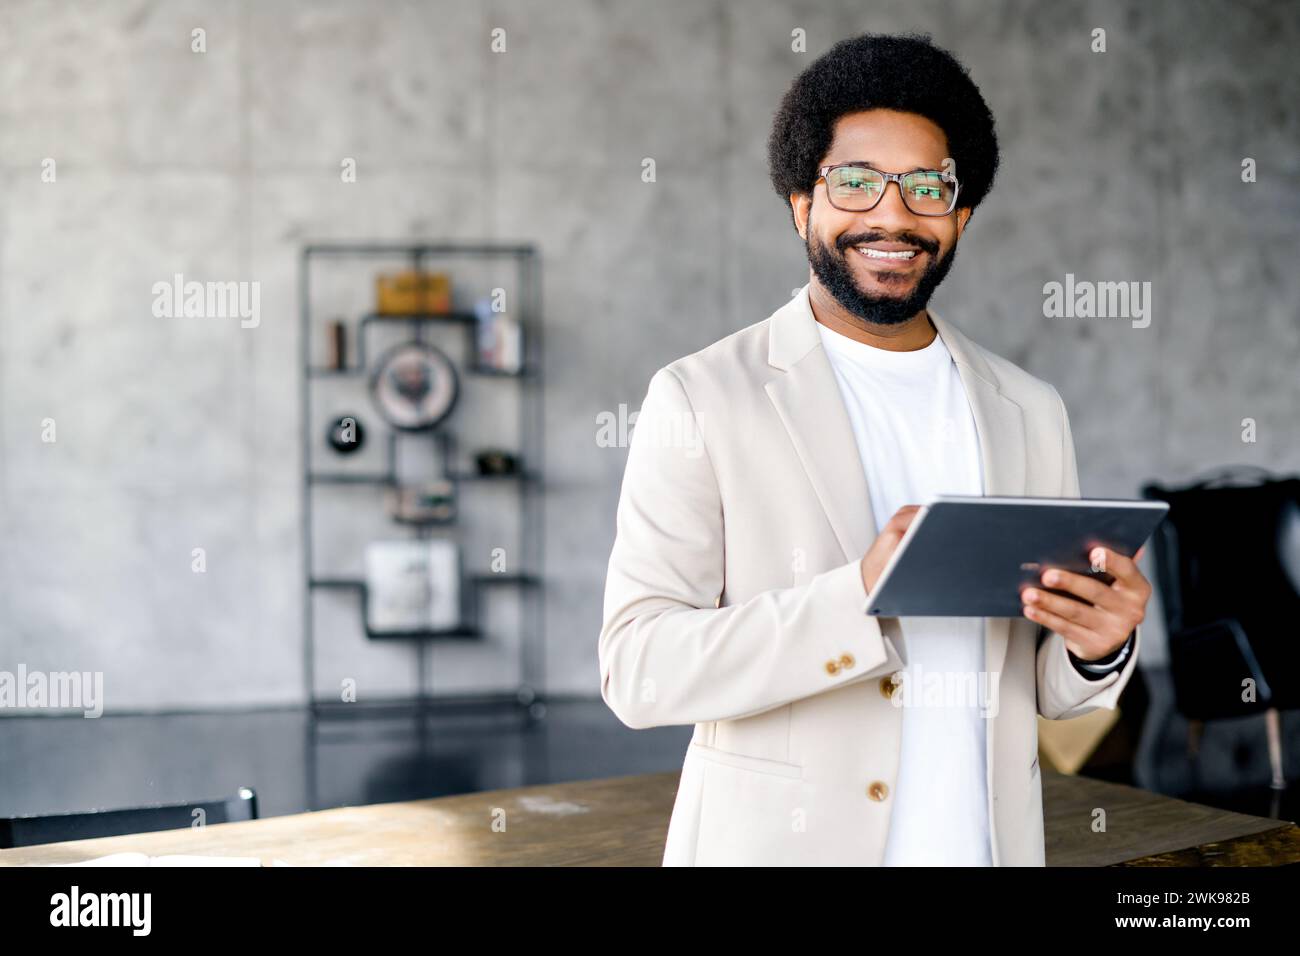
[[800, 207], [963, 215]]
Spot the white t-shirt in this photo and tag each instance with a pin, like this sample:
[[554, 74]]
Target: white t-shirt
[[917, 438]]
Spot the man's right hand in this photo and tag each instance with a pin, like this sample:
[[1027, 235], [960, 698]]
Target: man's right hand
[[878, 555]]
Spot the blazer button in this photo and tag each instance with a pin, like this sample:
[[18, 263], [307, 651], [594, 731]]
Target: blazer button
[[890, 684], [877, 791], [832, 667], [846, 660]]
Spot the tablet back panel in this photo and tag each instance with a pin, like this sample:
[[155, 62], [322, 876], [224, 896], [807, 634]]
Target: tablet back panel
[[970, 558]]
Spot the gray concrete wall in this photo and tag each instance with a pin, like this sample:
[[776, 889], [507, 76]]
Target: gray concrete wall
[[175, 434]]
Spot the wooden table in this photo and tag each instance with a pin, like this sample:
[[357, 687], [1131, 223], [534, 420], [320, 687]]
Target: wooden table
[[622, 821]]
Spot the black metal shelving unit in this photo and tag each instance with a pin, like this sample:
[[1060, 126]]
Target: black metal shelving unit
[[475, 588]]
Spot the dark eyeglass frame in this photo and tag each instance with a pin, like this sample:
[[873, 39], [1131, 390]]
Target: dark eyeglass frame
[[825, 171]]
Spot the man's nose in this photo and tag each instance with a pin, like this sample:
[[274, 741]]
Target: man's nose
[[891, 214]]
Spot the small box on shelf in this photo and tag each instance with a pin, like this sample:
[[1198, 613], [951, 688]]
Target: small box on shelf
[[412, 292]]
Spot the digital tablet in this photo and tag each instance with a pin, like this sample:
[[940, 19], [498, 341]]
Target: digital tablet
[[969, 556]]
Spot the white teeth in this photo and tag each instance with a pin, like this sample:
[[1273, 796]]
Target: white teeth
[[881, 254]]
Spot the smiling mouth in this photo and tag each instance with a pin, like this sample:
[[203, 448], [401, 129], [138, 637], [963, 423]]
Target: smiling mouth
[[897, 257], [882, 254]]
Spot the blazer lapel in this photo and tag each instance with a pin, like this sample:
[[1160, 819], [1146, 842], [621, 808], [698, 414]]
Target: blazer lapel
[[808, 400]]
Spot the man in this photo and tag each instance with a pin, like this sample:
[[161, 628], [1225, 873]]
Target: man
[[737, 585]]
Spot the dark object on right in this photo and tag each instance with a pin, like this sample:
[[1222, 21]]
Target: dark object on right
[[1229, 602], [1230, 586]]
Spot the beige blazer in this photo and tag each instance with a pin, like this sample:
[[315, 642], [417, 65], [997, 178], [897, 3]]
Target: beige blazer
[[734, 602]]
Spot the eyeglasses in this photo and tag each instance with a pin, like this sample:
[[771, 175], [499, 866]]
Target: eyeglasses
[[856, 187]]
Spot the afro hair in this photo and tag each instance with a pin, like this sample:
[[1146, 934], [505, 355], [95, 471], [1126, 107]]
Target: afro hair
[[907, 73]]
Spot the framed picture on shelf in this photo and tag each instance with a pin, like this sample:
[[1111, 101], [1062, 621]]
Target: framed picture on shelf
[[412, 586]]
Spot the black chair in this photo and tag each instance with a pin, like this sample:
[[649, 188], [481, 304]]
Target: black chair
[[1231, 603], [87, 825]]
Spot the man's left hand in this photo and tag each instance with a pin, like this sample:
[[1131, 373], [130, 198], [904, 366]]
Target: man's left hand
[[1102, 621]]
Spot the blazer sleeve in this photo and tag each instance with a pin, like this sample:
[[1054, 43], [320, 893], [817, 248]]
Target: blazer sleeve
[[1063, 692], [668, 652]]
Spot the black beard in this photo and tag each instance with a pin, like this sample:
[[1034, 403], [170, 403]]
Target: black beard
[[835, 275]]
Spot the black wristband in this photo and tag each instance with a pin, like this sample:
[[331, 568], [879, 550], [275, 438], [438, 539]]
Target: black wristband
[[1106, 662]]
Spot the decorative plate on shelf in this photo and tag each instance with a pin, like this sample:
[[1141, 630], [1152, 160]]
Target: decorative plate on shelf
[[414, 386]]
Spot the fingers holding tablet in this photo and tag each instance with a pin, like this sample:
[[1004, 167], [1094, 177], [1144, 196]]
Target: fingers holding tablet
[[1094, 618], [886, 543]]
